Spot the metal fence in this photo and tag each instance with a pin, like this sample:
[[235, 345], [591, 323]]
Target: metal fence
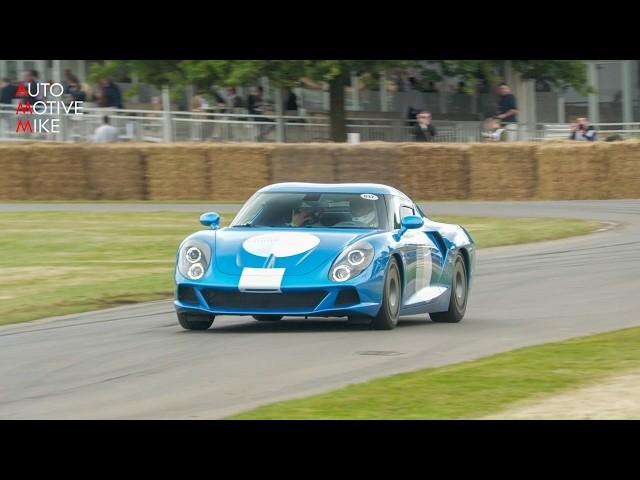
[[211, 126]]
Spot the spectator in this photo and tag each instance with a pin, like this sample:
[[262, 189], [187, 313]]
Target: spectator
[[75, 92], [291, 102], [69, 79], [424, 131], [110, 95], [199, 103], [461, 87], [411, 116], [255, 103], [431, 87], [507, 110], [233, 99], [8, 91], [256, 106], [493, 132], [542, 86], [105, 133], [581, 130], [31, 78]]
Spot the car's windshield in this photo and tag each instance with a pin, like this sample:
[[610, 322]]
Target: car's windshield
[[313, 210]]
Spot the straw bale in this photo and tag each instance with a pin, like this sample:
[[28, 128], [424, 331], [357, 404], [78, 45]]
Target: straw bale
[[434, 171], [573, 171], [502, 171]]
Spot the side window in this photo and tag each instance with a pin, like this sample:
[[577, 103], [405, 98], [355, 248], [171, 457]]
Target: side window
[[406, 210], [419, 210], [395, 211]]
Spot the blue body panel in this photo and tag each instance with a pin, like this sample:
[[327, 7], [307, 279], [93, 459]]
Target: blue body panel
[[425, 255]]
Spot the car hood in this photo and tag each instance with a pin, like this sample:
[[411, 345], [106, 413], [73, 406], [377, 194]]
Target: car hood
[[298, 251]]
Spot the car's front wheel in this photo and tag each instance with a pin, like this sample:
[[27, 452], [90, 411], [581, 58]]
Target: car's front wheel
[[459, 294], [387, 317], [267, 318], [191, 321]]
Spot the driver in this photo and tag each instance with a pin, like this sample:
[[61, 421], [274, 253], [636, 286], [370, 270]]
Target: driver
[[303, 215], [363, 211]]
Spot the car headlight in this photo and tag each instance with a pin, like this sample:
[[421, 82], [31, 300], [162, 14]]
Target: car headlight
[[351, 262], [194, 259]]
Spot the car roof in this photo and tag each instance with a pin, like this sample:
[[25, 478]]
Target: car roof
[[300, 187]]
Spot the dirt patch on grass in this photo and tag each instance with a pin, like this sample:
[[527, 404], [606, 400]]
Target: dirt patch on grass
[[617, 397]]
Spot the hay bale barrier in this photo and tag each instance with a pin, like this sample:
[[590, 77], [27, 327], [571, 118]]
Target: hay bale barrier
[[14, 172], [624, 169], [435, 171], [116, 172], [237, 171], [577, 171], [58, 172], [501, 172], [561, 170], [302, 163], [376, 162], [176, 172]]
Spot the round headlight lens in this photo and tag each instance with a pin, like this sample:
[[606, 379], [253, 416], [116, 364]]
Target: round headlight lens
[[193, 255], [341, 273], [196, 271], [356, 257]]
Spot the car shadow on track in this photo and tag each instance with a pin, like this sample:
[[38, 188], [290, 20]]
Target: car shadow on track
[[296, 325]]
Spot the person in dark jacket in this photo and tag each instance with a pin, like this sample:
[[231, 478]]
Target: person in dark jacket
[[111, 95], [424, 131], [581, 130], [8, 91]]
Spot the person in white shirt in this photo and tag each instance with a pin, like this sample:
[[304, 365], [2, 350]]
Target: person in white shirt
[[106, 133]]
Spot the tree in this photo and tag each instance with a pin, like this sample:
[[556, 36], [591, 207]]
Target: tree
[[564, 74], [282, 73], [287, 73]]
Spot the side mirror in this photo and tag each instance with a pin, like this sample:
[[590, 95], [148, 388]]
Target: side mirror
[[409, 222], [210, 219], [412, 221]]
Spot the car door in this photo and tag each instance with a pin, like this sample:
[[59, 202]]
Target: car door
[[421, 255]]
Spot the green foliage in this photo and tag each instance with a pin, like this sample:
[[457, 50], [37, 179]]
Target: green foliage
[[204, 73]]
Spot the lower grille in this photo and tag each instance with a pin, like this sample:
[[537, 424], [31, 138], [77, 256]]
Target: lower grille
[[348, 296], [245, 300], [187, 294]]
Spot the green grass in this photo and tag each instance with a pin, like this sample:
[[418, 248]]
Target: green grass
[[470, 389], [496, 231], [57, 263]]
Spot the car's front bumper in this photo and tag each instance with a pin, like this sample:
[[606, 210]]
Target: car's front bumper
[[313, 295]]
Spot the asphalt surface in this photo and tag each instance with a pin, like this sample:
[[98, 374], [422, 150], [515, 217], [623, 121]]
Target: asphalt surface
[[136, 362]]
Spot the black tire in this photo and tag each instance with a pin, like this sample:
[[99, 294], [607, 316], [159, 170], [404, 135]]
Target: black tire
[[387, 317], [459, 295], [267, 318], [191, 321]]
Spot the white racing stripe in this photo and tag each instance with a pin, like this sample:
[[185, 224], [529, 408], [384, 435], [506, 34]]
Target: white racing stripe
[[263, 279]]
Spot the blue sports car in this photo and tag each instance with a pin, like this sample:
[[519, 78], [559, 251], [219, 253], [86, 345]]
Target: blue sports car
[[360, 250]]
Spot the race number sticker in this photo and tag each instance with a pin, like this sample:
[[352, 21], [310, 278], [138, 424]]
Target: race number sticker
[[369, 196]]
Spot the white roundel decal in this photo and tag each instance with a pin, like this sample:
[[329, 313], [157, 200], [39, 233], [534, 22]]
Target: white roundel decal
[[369, 196], [280, 244]]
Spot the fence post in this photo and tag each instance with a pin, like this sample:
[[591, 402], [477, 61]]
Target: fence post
[[167, 135], [279, 119]]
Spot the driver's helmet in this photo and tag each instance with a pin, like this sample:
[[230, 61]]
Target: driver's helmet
[[363, 211]]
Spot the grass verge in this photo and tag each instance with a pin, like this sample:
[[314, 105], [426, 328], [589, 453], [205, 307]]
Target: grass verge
[[470, 389], [57, 263]]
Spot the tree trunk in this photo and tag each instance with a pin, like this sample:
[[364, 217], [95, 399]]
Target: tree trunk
[[337, 117]]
